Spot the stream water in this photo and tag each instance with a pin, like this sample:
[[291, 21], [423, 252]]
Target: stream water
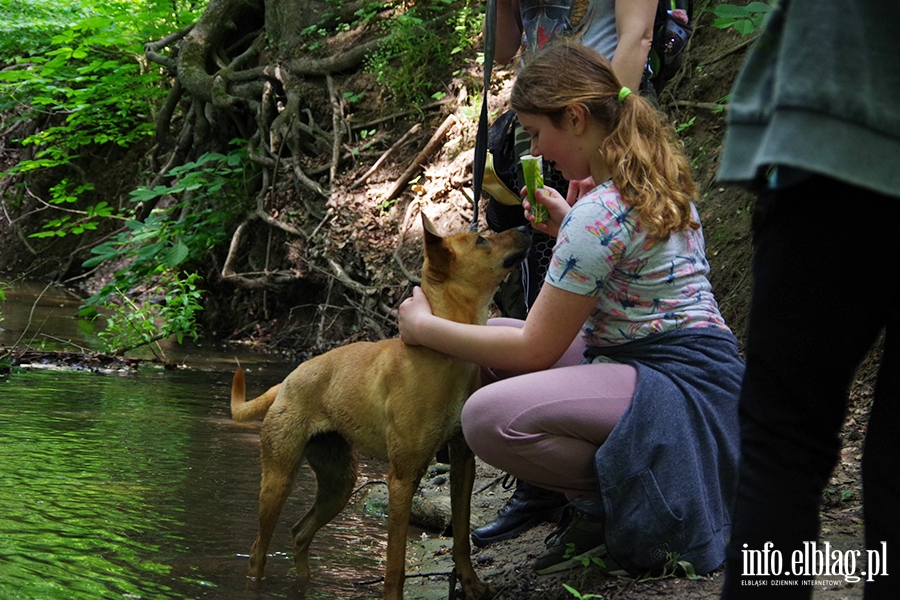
[[139, 485]]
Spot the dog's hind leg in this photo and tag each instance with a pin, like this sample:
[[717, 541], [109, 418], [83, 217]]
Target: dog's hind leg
[[278, 470], [462, 479], [336, 465]]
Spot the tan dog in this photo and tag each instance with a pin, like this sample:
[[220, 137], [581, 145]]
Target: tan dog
[[387, 400]]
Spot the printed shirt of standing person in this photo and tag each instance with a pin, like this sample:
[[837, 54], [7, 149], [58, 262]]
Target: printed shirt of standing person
[[620, 30]]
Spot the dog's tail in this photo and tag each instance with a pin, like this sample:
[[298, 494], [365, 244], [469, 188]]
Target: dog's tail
[[241, 410]]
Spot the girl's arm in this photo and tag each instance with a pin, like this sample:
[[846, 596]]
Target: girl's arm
[[509, 31], [634, 30], [554, 321]]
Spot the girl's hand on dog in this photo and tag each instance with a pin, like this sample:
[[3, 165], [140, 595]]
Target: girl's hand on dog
[[413, 311], [556, 206]]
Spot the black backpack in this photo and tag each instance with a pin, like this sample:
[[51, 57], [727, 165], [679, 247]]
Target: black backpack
[[670, 38], [499, 175]]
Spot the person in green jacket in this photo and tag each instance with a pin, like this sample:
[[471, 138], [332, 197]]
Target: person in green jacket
[[814, 128]]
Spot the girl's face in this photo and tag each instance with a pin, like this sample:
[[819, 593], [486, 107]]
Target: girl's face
[[563, 144]]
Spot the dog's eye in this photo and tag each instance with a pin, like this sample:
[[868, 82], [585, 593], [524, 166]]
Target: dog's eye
[[480, 240]]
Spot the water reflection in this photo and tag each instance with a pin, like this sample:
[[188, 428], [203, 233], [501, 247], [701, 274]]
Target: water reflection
[[35, 314], [140, 486]]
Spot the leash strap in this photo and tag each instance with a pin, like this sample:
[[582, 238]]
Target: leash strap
[[481, 138]]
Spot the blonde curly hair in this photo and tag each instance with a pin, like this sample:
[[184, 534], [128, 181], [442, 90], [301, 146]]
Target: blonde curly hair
[[641, 149]]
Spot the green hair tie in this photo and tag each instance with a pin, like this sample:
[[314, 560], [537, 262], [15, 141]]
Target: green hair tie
[[623, 93]]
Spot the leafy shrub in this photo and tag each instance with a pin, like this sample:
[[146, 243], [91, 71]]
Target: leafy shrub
[[27, 26], [200, 199], [171, 311], [745, 19], [81, 76], [421, 41]]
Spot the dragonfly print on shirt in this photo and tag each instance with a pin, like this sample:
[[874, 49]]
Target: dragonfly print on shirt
[[569, 268], [643, 284], [609, 238]]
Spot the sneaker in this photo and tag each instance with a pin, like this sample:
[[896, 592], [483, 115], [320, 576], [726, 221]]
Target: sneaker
[[578, 540], [528, 506]]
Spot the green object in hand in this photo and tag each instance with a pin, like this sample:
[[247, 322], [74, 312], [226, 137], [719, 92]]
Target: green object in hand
[[532, 166]]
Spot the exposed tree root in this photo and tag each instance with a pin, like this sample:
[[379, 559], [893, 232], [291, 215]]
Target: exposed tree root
[[244, 71]]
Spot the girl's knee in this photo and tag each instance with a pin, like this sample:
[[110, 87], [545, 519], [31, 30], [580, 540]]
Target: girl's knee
[[472, 419], [482, 426]]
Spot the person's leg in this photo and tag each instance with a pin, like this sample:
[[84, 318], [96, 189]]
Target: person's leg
[[529, 504], [545, 427], [810, 326], [881, 480]]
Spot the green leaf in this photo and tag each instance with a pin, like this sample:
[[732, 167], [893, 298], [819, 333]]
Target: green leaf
[[143, 194], [688, 568], [98, 22], [730, 10], [176, 255], [150, 251], [760, 7], [744, 27], [101, 209], [106, 249]]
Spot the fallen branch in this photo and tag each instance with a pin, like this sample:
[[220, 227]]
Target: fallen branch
[[336, 131], [713, 106], [256, 280], [272, 280], [365, 176], [431, 147], [398, 115]]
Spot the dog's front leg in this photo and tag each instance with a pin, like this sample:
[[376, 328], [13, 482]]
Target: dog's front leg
[[462, 479], [401, 487]]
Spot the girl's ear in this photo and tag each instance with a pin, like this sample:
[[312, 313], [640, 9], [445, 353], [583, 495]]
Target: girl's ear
[[576, 117]]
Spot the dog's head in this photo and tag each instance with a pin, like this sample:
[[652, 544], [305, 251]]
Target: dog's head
[[467, 268]]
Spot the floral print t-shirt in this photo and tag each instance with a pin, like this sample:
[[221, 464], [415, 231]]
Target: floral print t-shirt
[[643, 285]]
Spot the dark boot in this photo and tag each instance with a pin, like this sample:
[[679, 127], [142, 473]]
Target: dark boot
[[578, 541], [528, 506]]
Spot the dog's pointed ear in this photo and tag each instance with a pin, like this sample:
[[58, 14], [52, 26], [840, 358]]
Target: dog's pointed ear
[[431, 234], [437, 252]]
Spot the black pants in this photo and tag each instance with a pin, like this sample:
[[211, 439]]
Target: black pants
[[826, 270]]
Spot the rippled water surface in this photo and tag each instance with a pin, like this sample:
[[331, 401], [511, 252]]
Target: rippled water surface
[[140, 486]]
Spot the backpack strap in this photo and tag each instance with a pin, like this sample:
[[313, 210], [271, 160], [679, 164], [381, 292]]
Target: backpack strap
[[481, 138]]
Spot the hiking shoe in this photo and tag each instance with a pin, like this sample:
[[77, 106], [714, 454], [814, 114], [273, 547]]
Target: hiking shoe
[[578, 540], [528, 506]]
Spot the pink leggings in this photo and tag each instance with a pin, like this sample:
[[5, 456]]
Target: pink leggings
[[545, 427]]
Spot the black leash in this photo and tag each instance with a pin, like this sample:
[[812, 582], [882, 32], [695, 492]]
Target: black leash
[[481, 138]]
